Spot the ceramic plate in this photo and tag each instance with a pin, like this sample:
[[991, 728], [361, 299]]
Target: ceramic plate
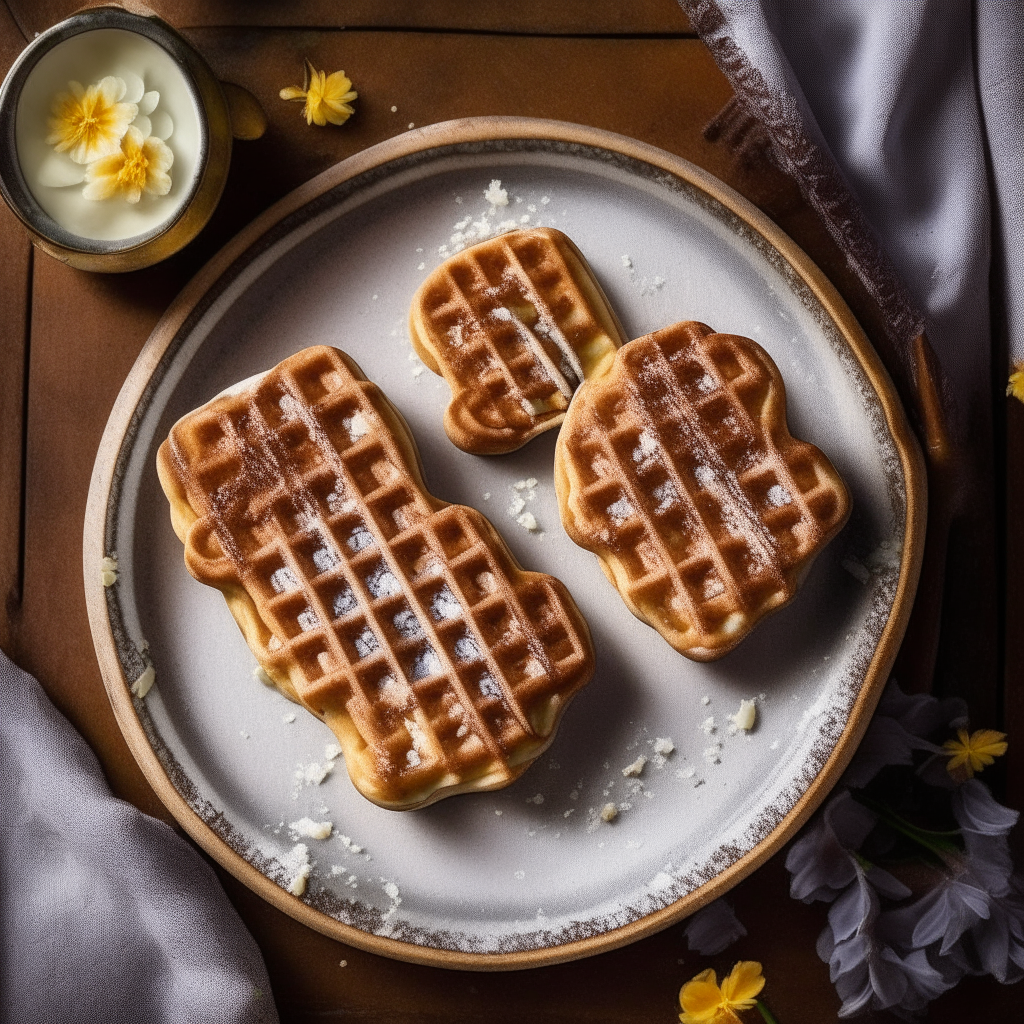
[[530, 874]]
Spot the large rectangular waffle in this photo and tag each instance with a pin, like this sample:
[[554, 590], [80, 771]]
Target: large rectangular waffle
[[514, 324], [678, 471], [402, 621]]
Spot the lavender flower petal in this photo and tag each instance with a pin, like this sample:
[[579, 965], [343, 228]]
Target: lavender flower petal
[[713, 929], [885, 743], [947, 912], [819, 860], [990, 861], [999, 940], [976, 809], [921, 714]]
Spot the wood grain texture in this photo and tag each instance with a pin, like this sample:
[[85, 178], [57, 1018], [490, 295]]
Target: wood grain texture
[[533, 17], [87, 330], [15, 283]]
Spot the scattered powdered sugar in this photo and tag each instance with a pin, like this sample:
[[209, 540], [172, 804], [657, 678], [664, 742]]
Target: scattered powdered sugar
[[297, 867], [495, 194], [382, 582], [778, 496], [426, 663], [307, 620], [356, 425], [313, 774], [664, 746], [283, 580], [366, 643], [620, 510], [445, 605], [708, 726], [647, 445], [666, 494], [523, 491], [713, 753], [407, 624], [308, 829], [349, 845], [466, 649]]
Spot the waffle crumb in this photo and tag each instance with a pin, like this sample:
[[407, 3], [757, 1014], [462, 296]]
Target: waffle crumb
[[609, 812], [745, 718], [108, 571], [664, 746], [145, 682], [634, 770]]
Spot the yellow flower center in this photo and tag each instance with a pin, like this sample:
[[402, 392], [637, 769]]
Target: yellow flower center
[[133, 172]]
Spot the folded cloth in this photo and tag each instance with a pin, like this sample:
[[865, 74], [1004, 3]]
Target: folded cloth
[[106, 914], [903, 121]]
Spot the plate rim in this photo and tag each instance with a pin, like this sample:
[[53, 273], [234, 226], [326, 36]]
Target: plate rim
[[118, 429]]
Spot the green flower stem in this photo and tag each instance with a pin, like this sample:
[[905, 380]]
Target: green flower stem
[[769, 1017], [934, 842]]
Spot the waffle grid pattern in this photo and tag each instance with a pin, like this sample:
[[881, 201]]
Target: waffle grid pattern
[[687, 482], [507, 321], [400, 614]]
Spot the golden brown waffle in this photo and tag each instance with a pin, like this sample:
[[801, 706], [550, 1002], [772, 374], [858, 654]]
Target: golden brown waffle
[[402, 621], [678, 471], [514, 325]]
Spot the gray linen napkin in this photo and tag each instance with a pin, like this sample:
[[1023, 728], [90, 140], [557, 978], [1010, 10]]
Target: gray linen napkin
[[907, 106], [106, 914]]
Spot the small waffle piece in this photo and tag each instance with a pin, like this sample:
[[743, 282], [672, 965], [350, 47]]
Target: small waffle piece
[[514, 325], [678, 471], [402, 621]]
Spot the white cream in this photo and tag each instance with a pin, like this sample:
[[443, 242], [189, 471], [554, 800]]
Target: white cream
[[87, 58]]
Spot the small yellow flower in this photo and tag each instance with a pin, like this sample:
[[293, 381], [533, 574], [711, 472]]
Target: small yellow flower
[[971, 753], [89, 123], [139, 166], [328, 97], [703, 1002], [1015, 387]]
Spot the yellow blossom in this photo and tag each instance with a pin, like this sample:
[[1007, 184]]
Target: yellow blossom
[[971, 753], [703, 1002], [89, 123], [139, 166], [1015, 387], [328, 97]]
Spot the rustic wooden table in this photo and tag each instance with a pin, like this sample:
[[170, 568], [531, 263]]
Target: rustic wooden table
[[68, 338]]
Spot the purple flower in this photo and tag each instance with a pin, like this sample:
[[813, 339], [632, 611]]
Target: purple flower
[[713, 929], [977, 810], [901, 724], [820, 860], [999, 940], [868, 974]]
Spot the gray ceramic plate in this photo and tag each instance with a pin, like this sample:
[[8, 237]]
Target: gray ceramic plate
[[530, 874]]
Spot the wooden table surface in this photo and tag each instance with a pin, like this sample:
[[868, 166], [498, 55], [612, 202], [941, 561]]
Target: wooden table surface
[[68, 339]]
